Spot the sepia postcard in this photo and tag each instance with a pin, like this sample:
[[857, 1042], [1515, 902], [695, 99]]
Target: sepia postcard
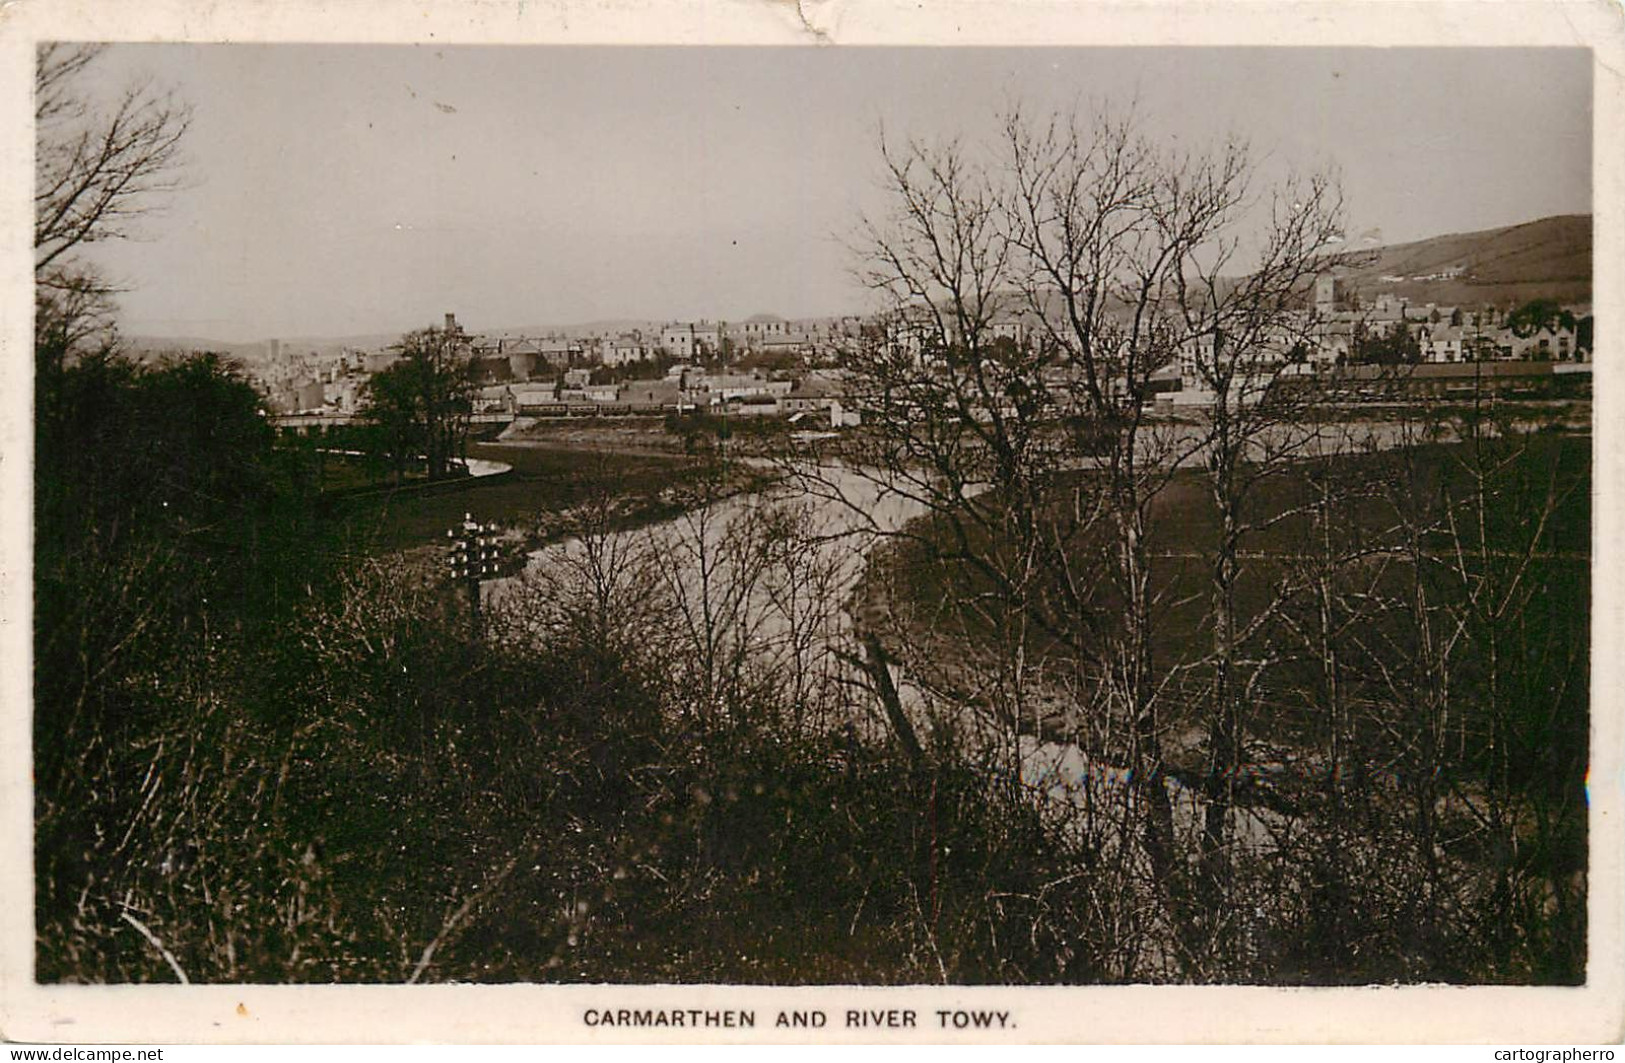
[[817, 522]]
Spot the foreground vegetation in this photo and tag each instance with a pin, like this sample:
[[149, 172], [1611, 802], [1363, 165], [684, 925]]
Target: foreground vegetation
[[256, 761], [1418, 659]]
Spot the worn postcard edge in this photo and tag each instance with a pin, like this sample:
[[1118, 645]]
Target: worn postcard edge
[[523, 1013]]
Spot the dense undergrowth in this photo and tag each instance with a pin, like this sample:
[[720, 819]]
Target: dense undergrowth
[[263, 754]]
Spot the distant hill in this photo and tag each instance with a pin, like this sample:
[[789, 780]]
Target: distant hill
[[157, 346], [1549, 258], [254, 352]]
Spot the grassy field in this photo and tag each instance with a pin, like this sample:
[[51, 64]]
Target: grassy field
[[546, 480], [1284, 708]]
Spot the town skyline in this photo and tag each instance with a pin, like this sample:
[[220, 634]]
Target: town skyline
[[624, 324], [661, 184]]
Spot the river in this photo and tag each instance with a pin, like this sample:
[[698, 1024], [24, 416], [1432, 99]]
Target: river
[[710, 565]]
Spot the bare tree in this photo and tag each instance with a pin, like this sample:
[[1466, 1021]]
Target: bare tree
[[713, 564], [1035, 298], [802, 584], [1246, 327], [96, 169], [1104, 221], [1478, 679]]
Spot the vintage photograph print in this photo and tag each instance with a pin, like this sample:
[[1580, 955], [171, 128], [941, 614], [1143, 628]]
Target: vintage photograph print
[[811, 516]]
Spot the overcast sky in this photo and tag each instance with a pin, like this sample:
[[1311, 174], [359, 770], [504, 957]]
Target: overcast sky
[[339, 190]]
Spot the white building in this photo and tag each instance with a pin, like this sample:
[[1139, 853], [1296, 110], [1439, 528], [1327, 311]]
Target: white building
[[623, 352], [678, 341], [688, 340], [1441, 343]]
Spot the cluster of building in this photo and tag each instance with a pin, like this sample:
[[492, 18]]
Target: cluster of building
[[1330, 338], [1444, 334], [332, 381], [812, 341], [766, 365], [611, 373], [675, 367], [685, 388]]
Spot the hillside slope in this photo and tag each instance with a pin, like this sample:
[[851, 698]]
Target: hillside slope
[[1549, 258]]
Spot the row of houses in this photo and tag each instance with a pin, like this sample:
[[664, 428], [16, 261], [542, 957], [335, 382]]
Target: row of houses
[[684, 384], [685, 389], [505, 359], [705, 340], [1318, 345], [558, 369], [1443, 334], [1458, 343], [533, 371], [343, 393]]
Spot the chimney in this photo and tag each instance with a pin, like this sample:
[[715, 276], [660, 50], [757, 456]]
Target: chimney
[[451, 322]]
